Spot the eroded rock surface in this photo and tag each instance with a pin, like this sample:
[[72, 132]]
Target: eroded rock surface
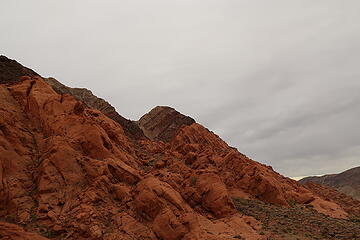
[[82, 94], [68, 171], [11, 71], [72, 170], [13, 232], [349, 204], [162, 123]]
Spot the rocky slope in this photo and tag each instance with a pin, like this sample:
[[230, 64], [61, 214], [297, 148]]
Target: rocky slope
[[298, 222], [68, 171], [348, 203], [10, 231], [86, 96], [162, 123], [11, 71], [347, 182]]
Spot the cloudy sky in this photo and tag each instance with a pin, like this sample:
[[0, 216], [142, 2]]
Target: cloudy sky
[[278, 79]]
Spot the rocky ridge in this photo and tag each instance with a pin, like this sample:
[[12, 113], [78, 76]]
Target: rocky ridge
[[11, 71], [349, 204], [68, 171], [86, 96], [347, 182], [162, 123]]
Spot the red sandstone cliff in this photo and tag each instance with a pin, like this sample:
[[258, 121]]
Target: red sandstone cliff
[[68, 171], [84, 95]]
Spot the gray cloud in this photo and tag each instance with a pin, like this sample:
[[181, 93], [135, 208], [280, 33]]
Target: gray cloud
[[277, 79]]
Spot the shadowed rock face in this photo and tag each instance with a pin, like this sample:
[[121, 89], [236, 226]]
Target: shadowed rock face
[[69, 171], [86, 96], [11, 71], [347, 182], [162, 123], [13, 232]]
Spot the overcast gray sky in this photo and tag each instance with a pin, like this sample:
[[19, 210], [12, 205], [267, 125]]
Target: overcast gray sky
[[278, 79]]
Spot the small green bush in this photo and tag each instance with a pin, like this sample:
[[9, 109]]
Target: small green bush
[[292, 203]]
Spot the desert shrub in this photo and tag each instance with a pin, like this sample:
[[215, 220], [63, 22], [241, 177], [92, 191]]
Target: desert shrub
[[354, 219], [193, 181], [238, 237], [292, 203]]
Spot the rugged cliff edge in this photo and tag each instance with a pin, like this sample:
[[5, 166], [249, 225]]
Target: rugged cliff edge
[[69, 171], [86, 96], [11, 71], [162, 123]]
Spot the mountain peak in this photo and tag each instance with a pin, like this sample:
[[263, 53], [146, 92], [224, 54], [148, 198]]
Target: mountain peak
[[347, 182], [71, 167], [163, 122], [11, 71]]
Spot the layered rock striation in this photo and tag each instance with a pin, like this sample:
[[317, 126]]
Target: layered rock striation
[[347, 182], [162, 123]]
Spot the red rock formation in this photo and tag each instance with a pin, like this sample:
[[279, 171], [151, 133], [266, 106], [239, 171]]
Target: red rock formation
[[72, 169], [11, 71], [207, 151], [162, 123], [349, 204], [13, 232], [71, 172], [82, 94]]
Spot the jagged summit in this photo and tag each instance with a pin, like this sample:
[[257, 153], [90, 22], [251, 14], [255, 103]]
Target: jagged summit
[[163, 122], [160, 124], [11, 71]]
